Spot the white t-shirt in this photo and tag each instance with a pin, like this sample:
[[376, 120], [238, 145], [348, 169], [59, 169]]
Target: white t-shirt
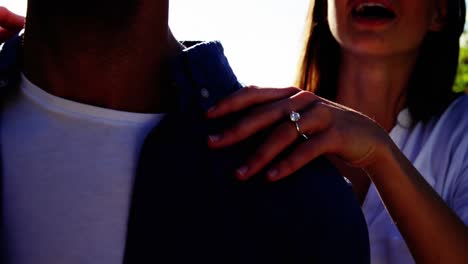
[[68, 171], [439, 150]]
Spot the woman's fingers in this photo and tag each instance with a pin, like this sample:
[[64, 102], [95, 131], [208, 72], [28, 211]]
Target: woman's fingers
[[282, 137], [314, 121], [328, 128], [10, 20], [315, 146], [248, 97], [256, 120], [10, 24], [260, 118]]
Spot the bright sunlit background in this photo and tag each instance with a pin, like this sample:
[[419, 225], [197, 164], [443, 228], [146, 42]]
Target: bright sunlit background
[[261, 37]]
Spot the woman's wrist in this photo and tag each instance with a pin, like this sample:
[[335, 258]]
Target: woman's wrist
[[383, 156]]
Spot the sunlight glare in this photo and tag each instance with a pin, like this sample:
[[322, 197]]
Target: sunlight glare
[[260, 37]]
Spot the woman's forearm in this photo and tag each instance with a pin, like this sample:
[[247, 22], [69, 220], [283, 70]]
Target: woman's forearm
[[432, 231]]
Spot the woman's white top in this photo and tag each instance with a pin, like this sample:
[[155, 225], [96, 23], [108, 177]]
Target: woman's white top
[[439, 150]]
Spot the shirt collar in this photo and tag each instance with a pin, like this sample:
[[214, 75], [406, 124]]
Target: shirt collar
[[201, 73]]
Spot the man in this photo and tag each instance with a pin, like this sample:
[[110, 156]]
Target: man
[[104, 154]]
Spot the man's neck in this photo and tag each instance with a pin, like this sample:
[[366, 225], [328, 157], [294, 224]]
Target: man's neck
[[117, 69]]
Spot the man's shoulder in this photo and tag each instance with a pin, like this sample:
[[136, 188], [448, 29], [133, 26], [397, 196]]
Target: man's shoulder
[[202, 71]]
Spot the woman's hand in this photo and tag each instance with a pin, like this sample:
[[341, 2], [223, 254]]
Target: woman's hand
[[10, 24], [331, 129]]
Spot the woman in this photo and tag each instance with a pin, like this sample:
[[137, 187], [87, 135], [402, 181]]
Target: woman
[[377, 100]]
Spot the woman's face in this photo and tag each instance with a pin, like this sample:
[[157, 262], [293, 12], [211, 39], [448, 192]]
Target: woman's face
[[383, 27]]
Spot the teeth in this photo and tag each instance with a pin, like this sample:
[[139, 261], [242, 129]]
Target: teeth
[[360, 7]]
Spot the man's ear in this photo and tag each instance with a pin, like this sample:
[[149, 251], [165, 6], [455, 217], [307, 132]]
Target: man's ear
[[439, 19]]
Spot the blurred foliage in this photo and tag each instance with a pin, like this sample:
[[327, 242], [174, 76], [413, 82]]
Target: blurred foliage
[[461, 81]]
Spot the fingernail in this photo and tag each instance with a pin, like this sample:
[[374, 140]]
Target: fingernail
[[242, 172], [272, 174], [214, 138]]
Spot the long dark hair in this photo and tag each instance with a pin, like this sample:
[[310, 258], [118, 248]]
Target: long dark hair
[[430, 88]]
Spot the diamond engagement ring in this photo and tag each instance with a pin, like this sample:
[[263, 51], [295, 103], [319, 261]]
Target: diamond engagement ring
[[295, 117]]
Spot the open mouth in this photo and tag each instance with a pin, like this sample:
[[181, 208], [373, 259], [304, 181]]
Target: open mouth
[[373, 11]]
